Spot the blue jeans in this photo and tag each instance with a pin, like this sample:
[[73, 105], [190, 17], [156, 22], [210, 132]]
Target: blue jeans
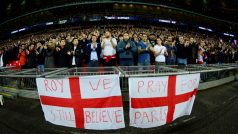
[[157, 64], [144, 66], [171, 60], [41, 69], [93, 63], [182, 61], [126, 62]]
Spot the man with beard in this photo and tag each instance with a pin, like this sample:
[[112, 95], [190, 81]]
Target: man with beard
[[144, 50], [126, 50], [109, 50], [171, 49]]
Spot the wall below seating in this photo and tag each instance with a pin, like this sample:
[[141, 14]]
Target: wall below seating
[[210, 84]]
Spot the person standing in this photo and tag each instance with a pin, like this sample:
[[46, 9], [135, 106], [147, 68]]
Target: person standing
[[31, 56], [193, 51], [126, 49], [40, 57], [5, 56], [75, 54], [22, 57], [83, 41], [201, 51], [1, 58], [62, 54], [109, 50], [93, 51], [135, 39], [160, 52], [171, 50], [144, 50], [182, 46], [50, 53], [152, 40]]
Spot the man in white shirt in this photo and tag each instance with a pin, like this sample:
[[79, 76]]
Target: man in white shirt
[[109, 50], [160, 52]]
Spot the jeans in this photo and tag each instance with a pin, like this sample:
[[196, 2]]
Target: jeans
[[182, 61], [171, 60], [93, 63], [41, 69], [144, 66], [126, 62], [157, 64]]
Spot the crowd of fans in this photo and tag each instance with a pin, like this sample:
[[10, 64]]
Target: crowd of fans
[[116, 45]]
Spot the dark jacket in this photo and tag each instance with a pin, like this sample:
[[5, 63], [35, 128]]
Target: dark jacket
[[126, 53], [98, 51], [236, 56], [62, 58], [40, 58], [4, 59], [31, 59], [172, 50], [77, 54], [50, 57], [182, 51], [83, 44], [193, 51]]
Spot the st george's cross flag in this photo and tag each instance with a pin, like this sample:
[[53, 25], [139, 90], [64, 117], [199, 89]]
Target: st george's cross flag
[[88, 102], [155, 101]]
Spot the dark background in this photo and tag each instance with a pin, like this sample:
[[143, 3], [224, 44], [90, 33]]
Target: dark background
[[221, 15], [223, 9]]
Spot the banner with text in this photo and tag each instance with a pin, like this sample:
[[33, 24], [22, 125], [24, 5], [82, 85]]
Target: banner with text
[[90, 102], [155, 101]]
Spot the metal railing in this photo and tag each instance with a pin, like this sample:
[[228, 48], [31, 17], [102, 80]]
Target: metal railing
[[23, 79], [84, 71], [26, 78]]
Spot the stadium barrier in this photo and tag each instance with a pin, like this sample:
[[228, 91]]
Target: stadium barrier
[[22, 83]]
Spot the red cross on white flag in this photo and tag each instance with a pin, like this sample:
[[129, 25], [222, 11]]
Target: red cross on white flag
[[155, 101], [90, 102]]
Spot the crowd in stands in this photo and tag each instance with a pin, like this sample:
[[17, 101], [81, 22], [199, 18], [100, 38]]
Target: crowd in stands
[[113, 46]]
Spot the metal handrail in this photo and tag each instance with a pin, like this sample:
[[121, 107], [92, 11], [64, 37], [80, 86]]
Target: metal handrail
[[26, 78], [133, 71]]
